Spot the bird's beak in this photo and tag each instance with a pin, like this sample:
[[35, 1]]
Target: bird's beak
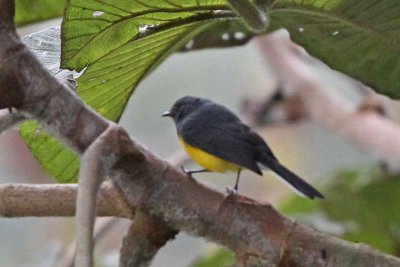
[[166, 114]]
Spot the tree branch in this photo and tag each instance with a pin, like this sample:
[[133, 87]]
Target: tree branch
[[42, 200], [145, 237], [257, 233]]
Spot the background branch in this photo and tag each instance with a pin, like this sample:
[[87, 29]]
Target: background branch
[[41, 200], [326, 106]]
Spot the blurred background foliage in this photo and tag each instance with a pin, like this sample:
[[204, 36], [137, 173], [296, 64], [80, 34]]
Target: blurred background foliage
[[215, 257], [362, 202], [358, 207]]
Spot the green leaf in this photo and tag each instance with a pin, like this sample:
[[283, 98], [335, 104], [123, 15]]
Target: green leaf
[[93, 29], [107, 84], [215, 257], [122, 41], [358, 208], [28, 11], [359, 38], [220, 34], [58, 161]]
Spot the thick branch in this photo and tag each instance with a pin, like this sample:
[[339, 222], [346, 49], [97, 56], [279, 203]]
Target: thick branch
[[40, 200], [367, 130], [258, 234], [145, 237]]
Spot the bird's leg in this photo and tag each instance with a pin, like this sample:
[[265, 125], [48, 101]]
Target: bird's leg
[[237, 180], [189, 173], [234, 190]]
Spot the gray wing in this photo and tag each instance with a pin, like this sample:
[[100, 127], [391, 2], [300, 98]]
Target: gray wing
[[217, 131]]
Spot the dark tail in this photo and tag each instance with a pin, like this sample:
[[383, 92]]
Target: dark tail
[[292, 179]]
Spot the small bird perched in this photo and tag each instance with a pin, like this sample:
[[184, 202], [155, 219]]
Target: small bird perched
[[216, 139]]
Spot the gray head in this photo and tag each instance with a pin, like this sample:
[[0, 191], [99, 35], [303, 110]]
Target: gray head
[[185, 106]]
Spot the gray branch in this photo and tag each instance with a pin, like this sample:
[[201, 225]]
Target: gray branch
[[42, 200]]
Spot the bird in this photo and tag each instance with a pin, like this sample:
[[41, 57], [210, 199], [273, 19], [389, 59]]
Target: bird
[[217, 140]]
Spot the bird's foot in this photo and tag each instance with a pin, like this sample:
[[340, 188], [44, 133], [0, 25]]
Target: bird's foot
[[232, 191]]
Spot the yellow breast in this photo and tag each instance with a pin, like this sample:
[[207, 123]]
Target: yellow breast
[[206, 160]]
